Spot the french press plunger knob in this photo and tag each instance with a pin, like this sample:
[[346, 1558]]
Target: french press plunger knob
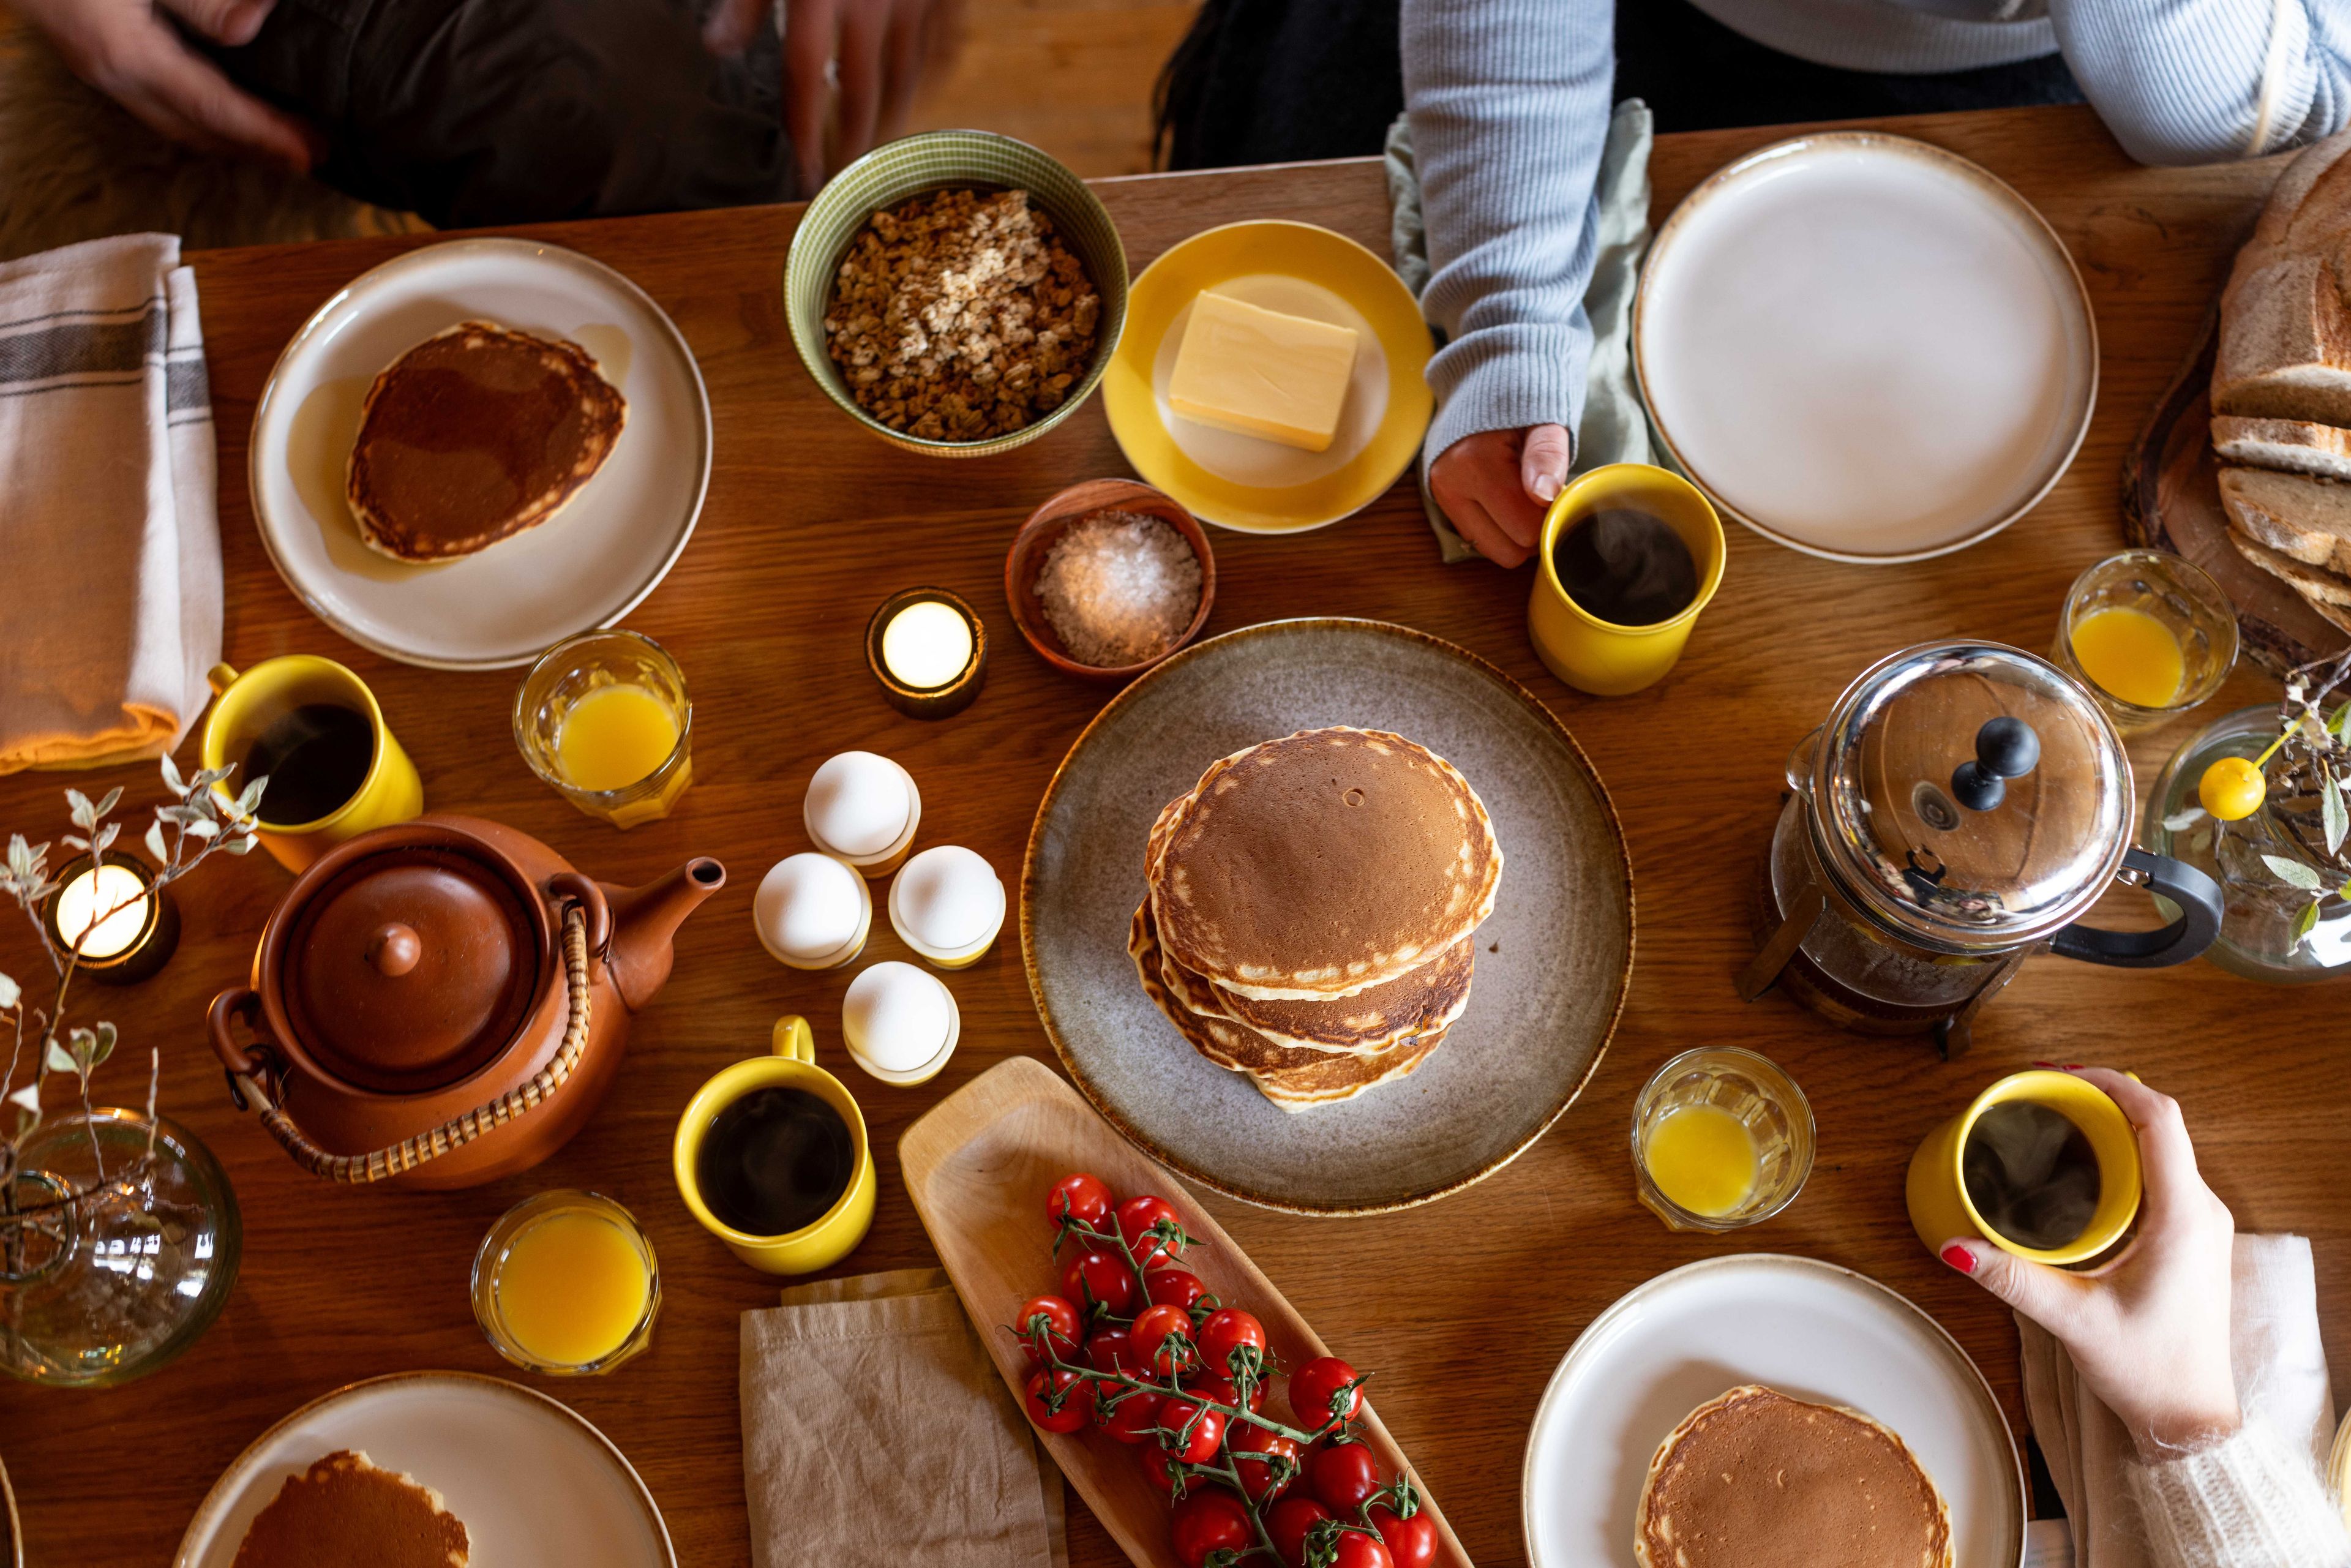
[[2006, 749]]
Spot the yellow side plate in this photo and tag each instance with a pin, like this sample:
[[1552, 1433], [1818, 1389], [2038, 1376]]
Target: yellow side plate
[[1289, 251]]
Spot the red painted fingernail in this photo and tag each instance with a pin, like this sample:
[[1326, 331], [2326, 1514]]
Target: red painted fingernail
[[2051, 1065], [1959, 1258], [2075, 1066]]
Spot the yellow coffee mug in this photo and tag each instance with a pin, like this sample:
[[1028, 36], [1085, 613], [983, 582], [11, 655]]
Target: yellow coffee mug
[[246, 704], [1600, 656], [834, 1235], [1937, 1192]]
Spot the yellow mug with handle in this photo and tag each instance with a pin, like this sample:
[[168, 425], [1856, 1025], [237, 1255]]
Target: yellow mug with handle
[[1936, 1190], [246, 704], [1600, 656], [792, 1064]]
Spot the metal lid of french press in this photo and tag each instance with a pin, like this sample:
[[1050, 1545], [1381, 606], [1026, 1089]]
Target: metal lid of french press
[[1970, 795]]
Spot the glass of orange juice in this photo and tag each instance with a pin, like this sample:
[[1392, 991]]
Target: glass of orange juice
[[602, 718], [566, 1283], [1721, 1138], [2148, 634]]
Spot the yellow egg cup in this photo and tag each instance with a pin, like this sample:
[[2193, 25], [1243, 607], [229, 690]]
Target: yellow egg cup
[[836, 1233], [1600, 656], [244, 705], [1937, 1192]]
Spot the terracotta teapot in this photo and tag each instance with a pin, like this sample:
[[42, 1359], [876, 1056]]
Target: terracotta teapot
[[444, 1001]]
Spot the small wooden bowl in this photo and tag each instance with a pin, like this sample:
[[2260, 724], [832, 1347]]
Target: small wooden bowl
[[1045, 527]]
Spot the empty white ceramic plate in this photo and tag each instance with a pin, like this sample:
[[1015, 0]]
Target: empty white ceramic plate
[[1810, 1330], [535, 1485], [1865, 347], [589, 565]]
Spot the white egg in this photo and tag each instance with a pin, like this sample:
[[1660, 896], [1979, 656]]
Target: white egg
[[949, 898], [896, 1015], [857, 803], [807, 906]]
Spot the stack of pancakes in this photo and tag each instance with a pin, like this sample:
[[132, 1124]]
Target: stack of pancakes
[[1312, 911], [346, 1509]]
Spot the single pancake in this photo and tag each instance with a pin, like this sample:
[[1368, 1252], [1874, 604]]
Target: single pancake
[[474, 435], [344, 1511], [1321, 864], [1756, 1479]]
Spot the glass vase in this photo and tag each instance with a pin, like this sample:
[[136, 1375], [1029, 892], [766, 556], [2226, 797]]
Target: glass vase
[[108, 1286], [2260, 935]]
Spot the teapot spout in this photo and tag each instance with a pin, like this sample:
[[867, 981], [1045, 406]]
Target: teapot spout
[[644, 925]]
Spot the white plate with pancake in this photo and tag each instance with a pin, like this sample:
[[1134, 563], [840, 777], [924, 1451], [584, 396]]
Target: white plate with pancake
[[586, 566], [535, 1485], [1865, 347], [1808, 1329], [1552, 961]]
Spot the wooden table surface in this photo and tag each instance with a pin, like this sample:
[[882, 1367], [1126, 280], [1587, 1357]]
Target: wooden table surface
[[1464, 1306]]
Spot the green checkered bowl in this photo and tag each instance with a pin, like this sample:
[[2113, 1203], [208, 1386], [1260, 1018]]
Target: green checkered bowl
[[943, 160]]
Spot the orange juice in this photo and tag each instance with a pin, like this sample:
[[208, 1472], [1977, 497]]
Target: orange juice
[[572, 1287], [1702, 1158], [2130, 654], [613, 737]]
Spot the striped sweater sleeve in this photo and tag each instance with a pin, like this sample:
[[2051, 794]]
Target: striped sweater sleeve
[[1509, 101], [2250, 1502], [2183, 82]]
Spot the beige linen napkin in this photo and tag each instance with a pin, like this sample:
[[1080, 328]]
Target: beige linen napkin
[[876, 1431], [2281, 1381], [110, 607]]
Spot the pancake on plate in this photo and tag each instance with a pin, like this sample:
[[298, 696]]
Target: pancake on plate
[[346, 1509], [474, 435], [1757, 1480]]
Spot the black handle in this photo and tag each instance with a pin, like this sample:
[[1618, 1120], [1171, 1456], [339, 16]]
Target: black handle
[[2201, 908], [2006, 749]]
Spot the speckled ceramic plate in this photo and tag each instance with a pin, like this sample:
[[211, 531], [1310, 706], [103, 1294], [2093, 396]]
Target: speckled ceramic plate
[[1552, 962]]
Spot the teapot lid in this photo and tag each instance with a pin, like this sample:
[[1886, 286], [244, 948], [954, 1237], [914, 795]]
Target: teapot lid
[[412, 968], [1970, 795]]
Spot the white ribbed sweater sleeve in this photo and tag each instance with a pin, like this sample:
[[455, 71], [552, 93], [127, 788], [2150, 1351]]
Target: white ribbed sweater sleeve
[[2181, 81], [1509, 101], [2253, 1501]]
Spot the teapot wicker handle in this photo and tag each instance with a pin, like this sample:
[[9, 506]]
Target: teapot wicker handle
[[458, 1131]]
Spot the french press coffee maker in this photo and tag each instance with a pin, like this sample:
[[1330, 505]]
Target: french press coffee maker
[[1965, 804]]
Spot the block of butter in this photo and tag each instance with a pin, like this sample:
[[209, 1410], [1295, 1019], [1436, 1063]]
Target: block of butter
[[1259, 372]]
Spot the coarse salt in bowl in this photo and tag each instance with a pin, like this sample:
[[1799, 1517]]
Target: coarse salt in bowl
[[947, 904], [1116, 579], [897, 1020]]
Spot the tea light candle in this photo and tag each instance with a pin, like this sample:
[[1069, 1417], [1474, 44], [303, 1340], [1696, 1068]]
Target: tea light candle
[[947, 904], [929, 651], [119, 925], [812, 912], [899, 1023], [863, 810]]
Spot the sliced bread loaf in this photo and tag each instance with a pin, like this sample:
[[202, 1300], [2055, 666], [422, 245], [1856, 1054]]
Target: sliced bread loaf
[[2323, 591], [2295, 445], [2285, 324], [2305, 519]]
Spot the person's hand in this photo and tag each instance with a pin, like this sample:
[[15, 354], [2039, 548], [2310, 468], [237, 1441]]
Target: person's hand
[[877, 49], [2149, 1332], [127, 50], [1496, 485]]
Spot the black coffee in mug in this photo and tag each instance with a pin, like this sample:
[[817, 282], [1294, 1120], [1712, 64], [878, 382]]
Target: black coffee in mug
[[1627, 567], [774, 1161], [2031, 1174], [315, 757]]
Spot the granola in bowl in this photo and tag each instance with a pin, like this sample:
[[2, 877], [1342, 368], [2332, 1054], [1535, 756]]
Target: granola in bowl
[[959, 316]]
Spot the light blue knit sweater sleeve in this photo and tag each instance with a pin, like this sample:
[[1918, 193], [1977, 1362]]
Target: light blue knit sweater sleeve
[[2179, 81], [1509, 101]]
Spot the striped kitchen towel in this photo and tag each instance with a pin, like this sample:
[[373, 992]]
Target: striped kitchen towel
[[111, 592]]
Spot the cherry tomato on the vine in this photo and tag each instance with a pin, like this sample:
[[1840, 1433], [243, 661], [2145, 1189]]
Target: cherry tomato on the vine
[[1157, 1467], [1225, 1330], [1171, 1287], [1207, 1433], [1209, 1519], [1358, 1549], [1343, 1476], [1314, 1388], [1080, 1197], [1076, 1410], [1113, 1349], [1095, 1275], [1410, 1541], [1288, 1521], [1061, 1322], [1261, 1478], [1136, 1216], [1162, 1339], [1132, 1420]]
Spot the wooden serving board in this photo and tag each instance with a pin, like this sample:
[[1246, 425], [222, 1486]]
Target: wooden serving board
[[978, 1167], [2171, 501]]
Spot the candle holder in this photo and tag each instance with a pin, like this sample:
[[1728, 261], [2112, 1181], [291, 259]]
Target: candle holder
[[125, 946], [940, 700]]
